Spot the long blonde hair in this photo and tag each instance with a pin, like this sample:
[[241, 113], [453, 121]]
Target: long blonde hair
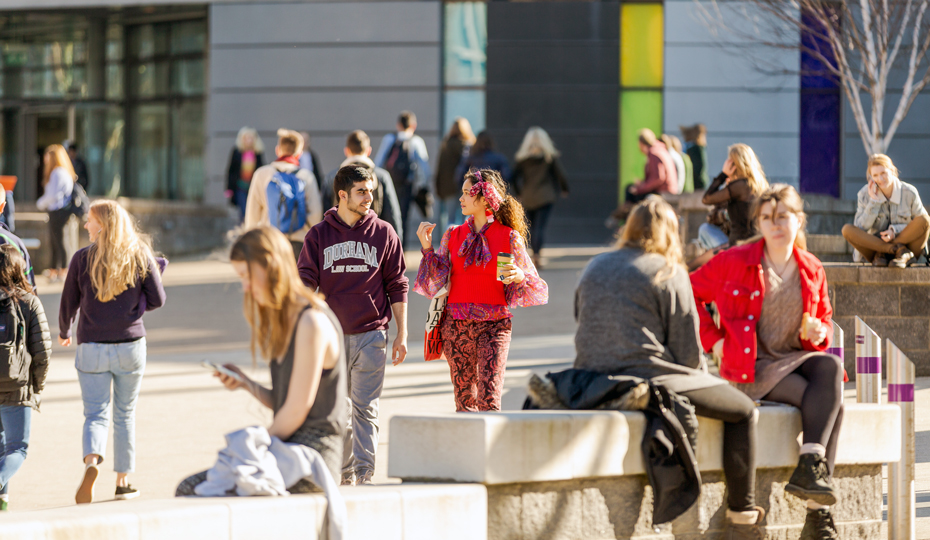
[[748, 167], [272, 324], [536, 144], [58, 157], [653, 227], [461, 129], [783, 193], [120, 255], [257, 145]]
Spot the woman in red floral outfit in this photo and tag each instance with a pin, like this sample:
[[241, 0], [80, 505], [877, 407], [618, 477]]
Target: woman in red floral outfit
[[476, 328]]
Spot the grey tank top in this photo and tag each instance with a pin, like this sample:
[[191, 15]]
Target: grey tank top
[[329, 413]]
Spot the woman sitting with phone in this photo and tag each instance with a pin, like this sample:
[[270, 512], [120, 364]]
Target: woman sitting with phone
[[296, 333]]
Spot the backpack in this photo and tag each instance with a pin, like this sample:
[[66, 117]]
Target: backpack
[[399, 164], [287, 202], [14, 370], [79, 201]]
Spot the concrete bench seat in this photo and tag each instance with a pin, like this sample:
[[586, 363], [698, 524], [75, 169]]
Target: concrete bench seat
[[579, 475], [391, 512]]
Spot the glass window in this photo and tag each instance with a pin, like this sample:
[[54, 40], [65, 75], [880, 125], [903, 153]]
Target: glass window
[[188, 37], [115, 81], [638, 110], [102, 147], [465, 43], [149, 80], [148, 154], [114, 42], [641, 45], [188, 77], [469, 104], [149, 40], [188, 151]]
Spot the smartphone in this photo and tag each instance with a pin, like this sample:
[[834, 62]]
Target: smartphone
[[220, 369]]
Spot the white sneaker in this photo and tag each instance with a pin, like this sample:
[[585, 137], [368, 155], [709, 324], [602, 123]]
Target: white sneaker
[[85, 491]]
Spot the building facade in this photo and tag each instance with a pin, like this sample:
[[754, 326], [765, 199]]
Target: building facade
[[155, 92]]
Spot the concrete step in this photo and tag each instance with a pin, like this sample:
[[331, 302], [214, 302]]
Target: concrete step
[[396, 512]]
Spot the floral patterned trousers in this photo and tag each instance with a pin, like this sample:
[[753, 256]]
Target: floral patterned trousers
[[477, 354]]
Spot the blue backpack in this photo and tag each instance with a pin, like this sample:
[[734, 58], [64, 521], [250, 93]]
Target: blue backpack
[[287, 202]]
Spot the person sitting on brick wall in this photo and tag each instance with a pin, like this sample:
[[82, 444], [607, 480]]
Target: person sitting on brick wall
[[890, 223]]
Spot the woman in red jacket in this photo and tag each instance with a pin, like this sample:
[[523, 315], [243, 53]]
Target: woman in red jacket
[[774, 328], [476, 329]]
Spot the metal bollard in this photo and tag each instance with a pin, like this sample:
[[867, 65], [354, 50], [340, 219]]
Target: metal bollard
[[901, 495], [837, 344], [868, 364]]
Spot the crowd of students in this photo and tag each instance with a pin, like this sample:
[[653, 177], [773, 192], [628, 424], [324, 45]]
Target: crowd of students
[[321, 288]]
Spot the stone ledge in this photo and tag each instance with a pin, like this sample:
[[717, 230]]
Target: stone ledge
[[545, 446], [862, 274], [393, 512]]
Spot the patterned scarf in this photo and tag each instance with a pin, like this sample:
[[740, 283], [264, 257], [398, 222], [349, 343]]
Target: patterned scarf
[[475, 248]]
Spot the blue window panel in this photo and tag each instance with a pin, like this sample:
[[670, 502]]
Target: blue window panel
[[820, 143], [469, 104], [814, 73], [465, 43]]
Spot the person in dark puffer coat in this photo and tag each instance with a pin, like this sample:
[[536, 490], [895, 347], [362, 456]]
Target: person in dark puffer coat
[[18, 398]]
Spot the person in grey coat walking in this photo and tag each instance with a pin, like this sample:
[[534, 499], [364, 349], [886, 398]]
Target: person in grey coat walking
[[637, 317]]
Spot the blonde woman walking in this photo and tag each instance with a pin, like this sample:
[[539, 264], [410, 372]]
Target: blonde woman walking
[[58, 181], [113, 282], [538, 180]]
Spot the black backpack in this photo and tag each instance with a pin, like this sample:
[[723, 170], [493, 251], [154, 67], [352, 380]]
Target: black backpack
[[399, 164], [79, 201], [14, 370]]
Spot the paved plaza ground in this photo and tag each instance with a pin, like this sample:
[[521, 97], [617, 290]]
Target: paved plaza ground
[[183, 412]]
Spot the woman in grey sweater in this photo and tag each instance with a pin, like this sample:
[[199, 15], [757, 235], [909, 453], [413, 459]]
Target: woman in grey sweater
[[636, 316]]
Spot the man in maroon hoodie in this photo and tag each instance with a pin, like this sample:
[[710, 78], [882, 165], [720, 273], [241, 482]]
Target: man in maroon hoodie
[[660, 174], [357, 261]]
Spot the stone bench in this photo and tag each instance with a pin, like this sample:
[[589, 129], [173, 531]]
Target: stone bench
[[894, 302], [577, 475], [391, 512]]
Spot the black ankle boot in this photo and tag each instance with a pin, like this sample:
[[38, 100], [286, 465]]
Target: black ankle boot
[[810, 480], [819, 526]]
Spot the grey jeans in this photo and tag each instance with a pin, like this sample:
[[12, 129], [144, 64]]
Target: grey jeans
[[366, 355]]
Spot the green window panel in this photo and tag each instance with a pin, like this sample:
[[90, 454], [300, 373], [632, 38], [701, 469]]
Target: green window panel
[[638, 109], [641, 45]]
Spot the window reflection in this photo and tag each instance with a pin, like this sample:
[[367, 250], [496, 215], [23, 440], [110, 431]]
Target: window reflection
[[465, 43]]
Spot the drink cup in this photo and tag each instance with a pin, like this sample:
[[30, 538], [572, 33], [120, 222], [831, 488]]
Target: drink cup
[[503, 259]]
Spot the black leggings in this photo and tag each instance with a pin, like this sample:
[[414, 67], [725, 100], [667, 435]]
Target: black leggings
[[57, 219], [737, 411], [538, 219], [816, 388]]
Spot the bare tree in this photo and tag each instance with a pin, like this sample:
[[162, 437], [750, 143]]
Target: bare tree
[[861, 44]]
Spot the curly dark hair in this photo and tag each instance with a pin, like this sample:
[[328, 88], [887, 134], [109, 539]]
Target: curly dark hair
[[510, 213]]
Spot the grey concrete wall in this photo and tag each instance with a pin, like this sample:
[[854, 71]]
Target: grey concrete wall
[[909, 148], [731, 86], [326, 68], [556, 65]]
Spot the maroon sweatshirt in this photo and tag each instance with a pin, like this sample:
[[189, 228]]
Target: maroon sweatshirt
[[359, 269]]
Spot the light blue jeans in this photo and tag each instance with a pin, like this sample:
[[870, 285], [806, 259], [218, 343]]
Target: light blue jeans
[[100, 366], [711, 237], [15, 421]]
